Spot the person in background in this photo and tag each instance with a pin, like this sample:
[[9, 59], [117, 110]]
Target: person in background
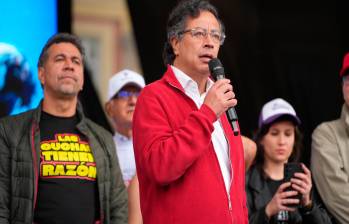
[[124, 88], [134, 206], [330, 156], [279, 141], [190, 166], [57, 166], [250, 150]]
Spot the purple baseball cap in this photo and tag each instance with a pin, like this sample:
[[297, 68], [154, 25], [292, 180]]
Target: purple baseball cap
[[275, 109]]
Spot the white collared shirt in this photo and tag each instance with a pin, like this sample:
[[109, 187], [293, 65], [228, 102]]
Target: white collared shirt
[[126, 157], [219, 141]]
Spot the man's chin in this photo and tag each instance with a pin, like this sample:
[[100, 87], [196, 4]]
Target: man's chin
[[69, 89], [205, 71], [68, 93]]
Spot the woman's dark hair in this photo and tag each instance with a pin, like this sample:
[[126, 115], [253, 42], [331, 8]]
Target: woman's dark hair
[[177, 21], [297, 147]]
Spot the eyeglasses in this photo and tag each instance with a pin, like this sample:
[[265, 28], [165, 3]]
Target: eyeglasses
[[124, 94], [201, 33]]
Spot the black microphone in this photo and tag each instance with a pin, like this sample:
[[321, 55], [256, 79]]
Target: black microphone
[[217, 72]]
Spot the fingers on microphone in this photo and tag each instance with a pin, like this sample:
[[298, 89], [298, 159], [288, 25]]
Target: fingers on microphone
[[222, 82], [225, 87], [231, 102], [229, 95]]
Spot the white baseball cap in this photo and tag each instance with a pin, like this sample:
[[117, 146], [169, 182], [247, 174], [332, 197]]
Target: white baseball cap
[[275, 109], [123, 78]]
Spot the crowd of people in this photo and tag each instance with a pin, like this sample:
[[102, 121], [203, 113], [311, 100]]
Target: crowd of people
[[173, 157]]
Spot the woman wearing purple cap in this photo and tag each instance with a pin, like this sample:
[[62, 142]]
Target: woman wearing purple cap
[[270, 198]]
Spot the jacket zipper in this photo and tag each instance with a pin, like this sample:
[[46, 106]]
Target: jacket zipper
[[231, 179]]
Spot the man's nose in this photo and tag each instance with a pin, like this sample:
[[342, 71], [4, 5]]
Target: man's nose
[[133, 98], [68, 64], [208, 41]]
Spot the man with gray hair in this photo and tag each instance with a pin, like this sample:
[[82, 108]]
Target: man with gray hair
[[330, 156], [124, 88], [190, 165]]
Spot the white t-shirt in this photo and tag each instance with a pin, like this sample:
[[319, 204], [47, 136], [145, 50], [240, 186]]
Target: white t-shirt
[[124, 150]]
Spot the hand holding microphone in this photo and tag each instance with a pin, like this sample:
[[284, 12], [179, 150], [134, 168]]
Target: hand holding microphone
[[220, 98]]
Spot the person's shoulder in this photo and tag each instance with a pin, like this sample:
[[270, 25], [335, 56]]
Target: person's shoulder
[[154, 86], [156, 91], [253, 177], [15, 120], [98, 128], [329, 132], [15, 126], [252, 171], [328, 126]]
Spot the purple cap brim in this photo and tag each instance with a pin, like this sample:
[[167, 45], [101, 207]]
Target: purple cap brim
[[271, 119]]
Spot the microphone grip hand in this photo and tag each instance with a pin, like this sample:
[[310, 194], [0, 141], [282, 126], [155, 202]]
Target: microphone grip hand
[[221, 97], [217, 72]]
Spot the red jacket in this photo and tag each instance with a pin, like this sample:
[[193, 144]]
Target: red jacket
[[179, 175]]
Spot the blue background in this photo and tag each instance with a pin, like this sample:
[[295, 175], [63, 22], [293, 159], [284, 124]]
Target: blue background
[[27, 25]]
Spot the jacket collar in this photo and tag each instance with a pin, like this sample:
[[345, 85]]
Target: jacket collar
[[37, 113], [38, 110], [170, 78], [345, 117], [258, 184], [255, 180]]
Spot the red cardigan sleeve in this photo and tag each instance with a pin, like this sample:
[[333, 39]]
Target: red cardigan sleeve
[[164, 154]]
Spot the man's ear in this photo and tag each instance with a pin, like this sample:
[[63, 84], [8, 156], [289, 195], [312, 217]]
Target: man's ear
[[41, 75], [107, 108], [175, 45]]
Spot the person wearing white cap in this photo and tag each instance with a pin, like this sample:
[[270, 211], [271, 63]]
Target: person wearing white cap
[[124, 88], [330, 156], [279, 142]]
